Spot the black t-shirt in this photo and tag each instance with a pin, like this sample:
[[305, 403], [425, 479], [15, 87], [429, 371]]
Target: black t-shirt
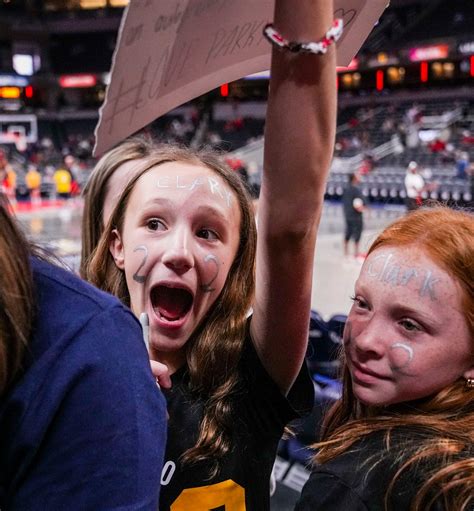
[[351, 192], [260, 417], [358, 479]]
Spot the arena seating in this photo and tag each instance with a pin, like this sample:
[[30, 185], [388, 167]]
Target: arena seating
[[325, 342]]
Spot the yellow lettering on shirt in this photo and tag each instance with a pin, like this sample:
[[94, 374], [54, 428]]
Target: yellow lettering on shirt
[[228, 495]]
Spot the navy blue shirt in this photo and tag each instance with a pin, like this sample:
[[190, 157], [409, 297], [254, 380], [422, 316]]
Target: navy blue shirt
[[85, 426]]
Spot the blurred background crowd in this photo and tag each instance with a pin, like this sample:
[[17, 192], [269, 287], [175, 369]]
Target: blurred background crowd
[[406, 105]]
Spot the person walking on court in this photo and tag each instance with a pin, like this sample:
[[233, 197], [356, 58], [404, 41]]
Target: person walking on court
[[353, 207]]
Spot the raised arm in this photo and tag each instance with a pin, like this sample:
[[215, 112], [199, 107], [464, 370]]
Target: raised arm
[[299, 139]]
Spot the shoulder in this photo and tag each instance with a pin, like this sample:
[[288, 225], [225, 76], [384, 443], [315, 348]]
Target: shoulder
[[363, 473], [355, 461], [327, 491], [55, 284], [83, 337], [368, 468], [346, 481], [68, 308]]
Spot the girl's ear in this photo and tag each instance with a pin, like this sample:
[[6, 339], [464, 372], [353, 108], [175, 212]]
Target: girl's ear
[[116, 249]]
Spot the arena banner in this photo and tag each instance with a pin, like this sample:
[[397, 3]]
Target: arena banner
[[171, 51]]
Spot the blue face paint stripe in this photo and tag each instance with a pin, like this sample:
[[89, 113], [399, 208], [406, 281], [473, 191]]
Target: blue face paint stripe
[[141, 278], [207, 288]]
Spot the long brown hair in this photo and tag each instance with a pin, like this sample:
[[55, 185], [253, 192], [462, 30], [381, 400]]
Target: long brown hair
[[95, 191], [213, 351], [16, 297], [441, 425]]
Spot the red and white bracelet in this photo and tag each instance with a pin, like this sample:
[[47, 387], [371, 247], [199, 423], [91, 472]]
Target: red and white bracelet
[[317, 48]]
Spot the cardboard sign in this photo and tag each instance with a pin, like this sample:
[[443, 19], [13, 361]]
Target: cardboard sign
[[171, 51]]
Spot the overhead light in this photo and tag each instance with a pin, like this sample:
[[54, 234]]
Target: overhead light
[[77, 81], [10, 92], [23, 64], [437, 51]]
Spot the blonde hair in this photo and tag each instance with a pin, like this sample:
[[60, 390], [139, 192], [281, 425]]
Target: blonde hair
[[444, 422], [214, 349]]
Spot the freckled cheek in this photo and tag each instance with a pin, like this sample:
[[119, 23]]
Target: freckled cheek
[[353, 328]]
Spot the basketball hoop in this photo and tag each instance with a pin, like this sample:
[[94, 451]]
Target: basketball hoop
[[20, 130]]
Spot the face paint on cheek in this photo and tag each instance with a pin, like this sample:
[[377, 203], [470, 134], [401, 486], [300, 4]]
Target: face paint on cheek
[[402, 355], [213, 260], [136, 277]]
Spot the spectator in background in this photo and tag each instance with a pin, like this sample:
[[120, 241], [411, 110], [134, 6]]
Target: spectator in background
[[48, 185], [413, 115], [388, 125], [63, 181], [467, 138], [7, 178], [366, 166], [462, 165], [33, 183], [353, 207], [254, 182], [414, 186], [437, 146], [72, 166]]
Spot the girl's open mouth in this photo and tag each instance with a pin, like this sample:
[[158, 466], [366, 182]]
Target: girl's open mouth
[[170, 303]]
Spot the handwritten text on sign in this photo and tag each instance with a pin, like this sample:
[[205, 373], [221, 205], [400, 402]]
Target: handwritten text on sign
[[171, 51]]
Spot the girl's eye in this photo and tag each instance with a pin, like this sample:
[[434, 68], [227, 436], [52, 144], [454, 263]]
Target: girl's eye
[[155, 225], [359, 302], [410, 325], [207, 234]]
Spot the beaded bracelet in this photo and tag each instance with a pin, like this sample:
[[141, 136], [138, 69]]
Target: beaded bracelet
[[317, 48]]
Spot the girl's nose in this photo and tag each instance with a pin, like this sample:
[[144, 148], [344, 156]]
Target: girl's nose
[[370, 339], [178, 254]]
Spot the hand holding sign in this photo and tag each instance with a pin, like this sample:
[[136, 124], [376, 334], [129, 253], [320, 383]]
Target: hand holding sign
[[169, 52]]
